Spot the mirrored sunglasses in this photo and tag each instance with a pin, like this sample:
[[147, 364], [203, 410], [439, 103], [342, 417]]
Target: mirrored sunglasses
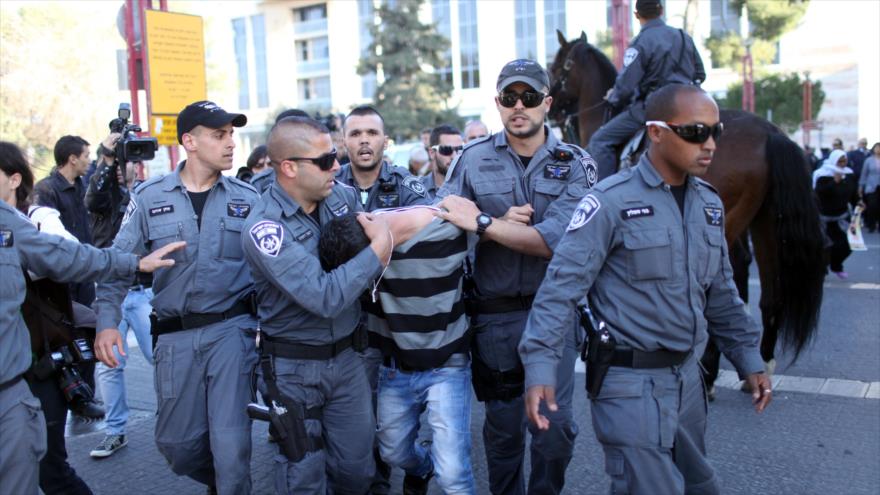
[[447, 150], [692, 133], [530, 99]]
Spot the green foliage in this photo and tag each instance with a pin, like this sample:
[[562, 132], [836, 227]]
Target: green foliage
[[727, 50], [768, 21], [410, 98], [780, 93], [605, 42]]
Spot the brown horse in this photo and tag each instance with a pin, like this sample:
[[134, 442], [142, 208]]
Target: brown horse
[[763, 180]]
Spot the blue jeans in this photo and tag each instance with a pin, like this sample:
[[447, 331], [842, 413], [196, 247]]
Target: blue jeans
[[136, 317], [447, 394]]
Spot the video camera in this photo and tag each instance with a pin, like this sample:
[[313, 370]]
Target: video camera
[[60, 363], [130, 147]]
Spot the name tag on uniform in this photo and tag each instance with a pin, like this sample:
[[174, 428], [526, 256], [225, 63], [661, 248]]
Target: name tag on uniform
[[238, 210], [637, 212], [342, 210], [6, 238], [558, 172], [161, 210], [304, 235], [713, 215]]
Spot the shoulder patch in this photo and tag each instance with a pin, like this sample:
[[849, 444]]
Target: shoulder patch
[[629, 55], [714, 216], [267, 236], [584, 212], [7, 239], [415, 185], [129, 211], [591, 169]]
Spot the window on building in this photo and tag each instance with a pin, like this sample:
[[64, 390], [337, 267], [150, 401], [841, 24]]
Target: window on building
[[526, 29], [440, 13], [240, 42], [314, 90], [470, 56], [310, 19], [554, 18], [258, 34], [366, 18], [724, 16]]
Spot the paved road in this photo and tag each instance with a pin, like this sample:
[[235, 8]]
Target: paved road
[[806, 443]]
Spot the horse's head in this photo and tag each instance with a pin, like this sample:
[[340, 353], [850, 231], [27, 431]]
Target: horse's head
[[563, 86]]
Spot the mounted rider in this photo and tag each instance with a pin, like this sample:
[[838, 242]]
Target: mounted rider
[[658, 56]]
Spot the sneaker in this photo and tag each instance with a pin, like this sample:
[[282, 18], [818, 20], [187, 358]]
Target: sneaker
[[711, 393], [415, 485], [842, 275], [109, 446]]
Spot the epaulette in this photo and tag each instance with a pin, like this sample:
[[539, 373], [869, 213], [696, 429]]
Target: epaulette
[[706, 185], [239, 182], [343, 184], [152, 180], [615, 180], [465, 149], [478, 140]]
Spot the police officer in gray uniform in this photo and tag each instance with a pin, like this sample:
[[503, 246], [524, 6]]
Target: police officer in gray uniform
[[658, 56], [445, 144], [309, 318], [23, 247], [517, 189], [204, 314], [647, 248]]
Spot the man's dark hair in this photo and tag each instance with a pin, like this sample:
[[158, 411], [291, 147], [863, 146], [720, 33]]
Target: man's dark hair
[[291, 112], [68, 145], [276, 144], [12, 161], [662, 104], [440, 130], [256, 155], [649, 9], [362, 110], [341, 240]]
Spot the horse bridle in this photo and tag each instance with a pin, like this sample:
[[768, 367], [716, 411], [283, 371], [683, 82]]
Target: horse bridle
[[569, 125]]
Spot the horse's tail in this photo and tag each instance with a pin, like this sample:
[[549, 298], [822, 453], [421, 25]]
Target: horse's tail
[[800, 243]]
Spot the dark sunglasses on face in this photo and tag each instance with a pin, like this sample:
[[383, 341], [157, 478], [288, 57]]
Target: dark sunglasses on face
[[325, 162], [530, 99], [447, 150], [692, 133]]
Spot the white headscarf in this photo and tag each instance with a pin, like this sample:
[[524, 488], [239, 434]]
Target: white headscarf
[[829, 167]]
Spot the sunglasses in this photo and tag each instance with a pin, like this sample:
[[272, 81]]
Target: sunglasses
[[692, 133], [530, 99], [325, 162], [446, 150]]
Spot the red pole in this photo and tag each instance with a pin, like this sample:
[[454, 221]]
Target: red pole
[[808, 108], [748, 94], [620, 32], [133, 55]]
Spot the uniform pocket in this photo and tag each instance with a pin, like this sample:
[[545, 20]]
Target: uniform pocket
[[495, 197], [164, 234], [713, 242], [36, 425], [164, 372], [620, 410], [230, 239], [649, 254]]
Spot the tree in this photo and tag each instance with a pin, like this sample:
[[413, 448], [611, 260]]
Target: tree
[[410, 97], [781, 95], [768, 21]]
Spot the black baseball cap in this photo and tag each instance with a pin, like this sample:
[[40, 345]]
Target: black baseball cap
[[208, 114], [524, 71], [648, 6]]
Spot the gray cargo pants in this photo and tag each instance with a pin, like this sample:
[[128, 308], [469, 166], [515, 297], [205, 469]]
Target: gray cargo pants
[[339, 386], [23, 430], [497, 337], [203, 385], [615, 133], [652, 426]]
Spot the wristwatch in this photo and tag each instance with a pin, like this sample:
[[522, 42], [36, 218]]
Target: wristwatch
[[483, 223]]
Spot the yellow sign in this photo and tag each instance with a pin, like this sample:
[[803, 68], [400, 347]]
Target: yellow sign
[[175, 46], [164, 129]]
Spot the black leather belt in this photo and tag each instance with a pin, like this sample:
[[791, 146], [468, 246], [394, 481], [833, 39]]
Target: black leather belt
[[634, 358], [457, 360], [290, 350], [502, 304], [198, 320]]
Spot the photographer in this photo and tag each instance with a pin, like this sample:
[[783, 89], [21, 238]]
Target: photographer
[[110, 188]]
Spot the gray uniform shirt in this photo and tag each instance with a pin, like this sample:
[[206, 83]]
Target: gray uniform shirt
[[658, 56], [22, 246], [394, 187], [263, 180], [658, 280], [298, 300], [210, 274], [490, 173]]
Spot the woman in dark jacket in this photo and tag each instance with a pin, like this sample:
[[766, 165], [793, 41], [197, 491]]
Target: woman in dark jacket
[[837, 189]]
